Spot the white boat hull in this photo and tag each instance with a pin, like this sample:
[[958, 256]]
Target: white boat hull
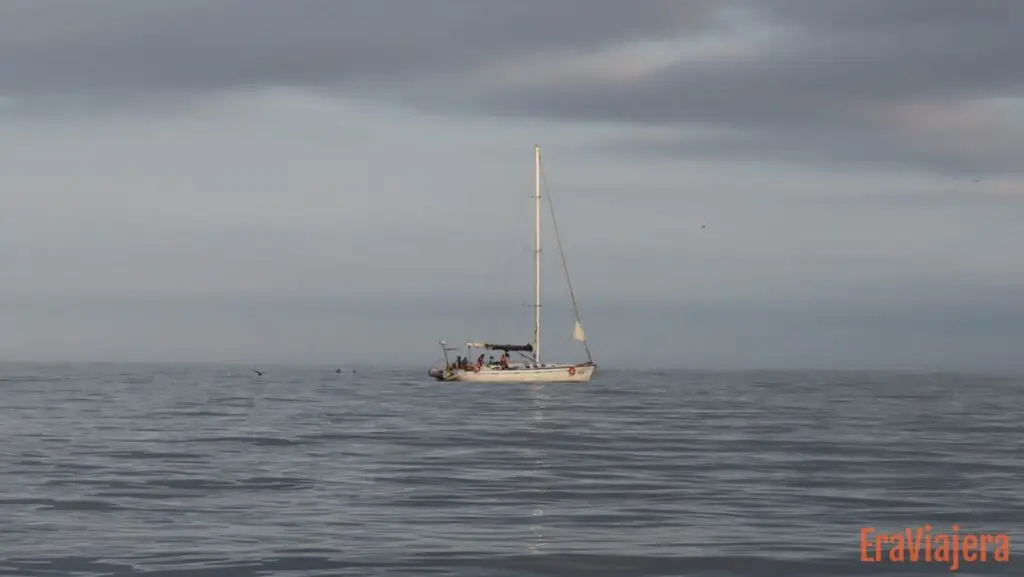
[[521, 374]]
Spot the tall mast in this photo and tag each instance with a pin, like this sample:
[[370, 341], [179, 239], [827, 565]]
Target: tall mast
[[536, 257]]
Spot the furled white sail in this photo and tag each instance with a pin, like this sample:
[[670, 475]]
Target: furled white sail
[[577, 333]]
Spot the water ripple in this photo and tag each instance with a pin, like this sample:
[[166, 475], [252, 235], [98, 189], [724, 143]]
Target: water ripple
[[208, 471]]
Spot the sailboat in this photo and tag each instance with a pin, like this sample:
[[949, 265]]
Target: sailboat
[[529, 368]]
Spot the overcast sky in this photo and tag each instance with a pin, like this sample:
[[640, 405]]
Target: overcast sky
[[339, 182]]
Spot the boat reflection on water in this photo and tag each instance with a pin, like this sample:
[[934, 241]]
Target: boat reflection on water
[[534, 451]]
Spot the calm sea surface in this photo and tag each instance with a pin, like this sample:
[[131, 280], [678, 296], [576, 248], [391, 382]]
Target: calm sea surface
[[214, 471]]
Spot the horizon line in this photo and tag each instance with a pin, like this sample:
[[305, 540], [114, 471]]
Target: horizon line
[[616, 368]]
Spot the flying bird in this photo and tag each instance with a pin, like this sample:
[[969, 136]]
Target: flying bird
[[260, 373]]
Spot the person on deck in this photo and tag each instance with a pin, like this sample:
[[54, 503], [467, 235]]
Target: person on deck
[[504, 361]]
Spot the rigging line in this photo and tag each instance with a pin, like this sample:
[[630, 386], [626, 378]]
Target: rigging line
[[561, 251]]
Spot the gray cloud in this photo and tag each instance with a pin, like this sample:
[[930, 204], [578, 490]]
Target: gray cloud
[[835, 145], [824, 48], [835, 83], [152, 46], [829, 61], [832, 81]]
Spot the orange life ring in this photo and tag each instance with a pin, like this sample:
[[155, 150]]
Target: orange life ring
[[572, 371]]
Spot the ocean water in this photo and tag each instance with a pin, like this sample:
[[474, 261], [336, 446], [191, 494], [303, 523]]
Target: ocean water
[[214, 471]]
